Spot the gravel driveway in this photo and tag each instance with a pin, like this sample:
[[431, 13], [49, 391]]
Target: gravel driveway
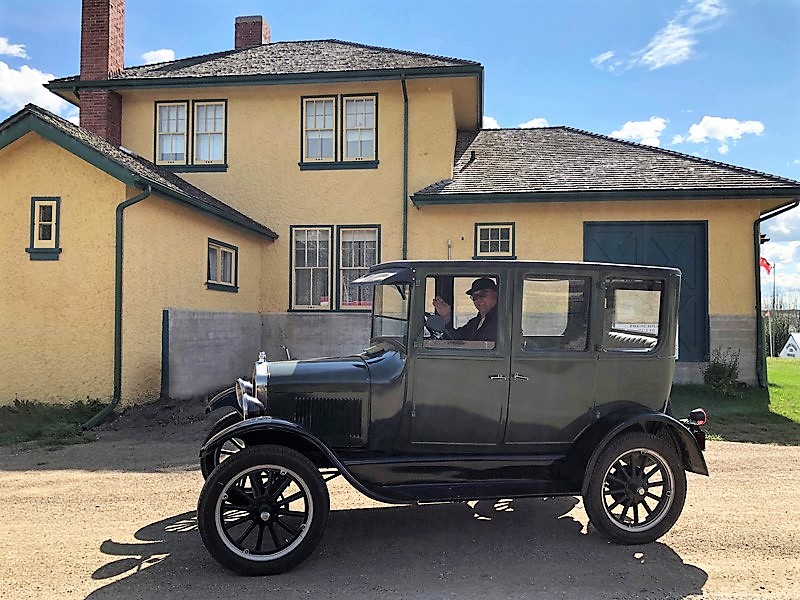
[[115, 519]]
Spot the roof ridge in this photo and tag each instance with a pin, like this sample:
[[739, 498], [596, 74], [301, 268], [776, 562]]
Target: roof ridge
[[691, 157], [400, 51]]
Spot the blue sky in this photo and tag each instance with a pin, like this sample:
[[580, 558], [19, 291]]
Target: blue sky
[[719, 79]]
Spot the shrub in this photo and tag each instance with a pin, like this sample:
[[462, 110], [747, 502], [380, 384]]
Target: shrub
[[722, 372]]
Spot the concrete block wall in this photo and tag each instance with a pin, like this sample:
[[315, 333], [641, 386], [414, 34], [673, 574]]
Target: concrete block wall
[[203, 351], [735, 333]]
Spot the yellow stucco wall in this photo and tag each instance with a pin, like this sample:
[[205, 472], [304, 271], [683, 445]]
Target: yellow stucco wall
[[554, 231], [264, 179], [165, 261], [57, 316]]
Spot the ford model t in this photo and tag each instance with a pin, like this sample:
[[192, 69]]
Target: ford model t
[[494, 379]]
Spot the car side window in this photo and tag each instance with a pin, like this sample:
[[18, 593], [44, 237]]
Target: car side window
[[555, 313], [632, 308], [464, 311]]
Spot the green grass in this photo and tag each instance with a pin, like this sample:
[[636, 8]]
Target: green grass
[[45, 425], [754, 415]]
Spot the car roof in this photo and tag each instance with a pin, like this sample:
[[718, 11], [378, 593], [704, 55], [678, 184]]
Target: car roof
[[474, 266]]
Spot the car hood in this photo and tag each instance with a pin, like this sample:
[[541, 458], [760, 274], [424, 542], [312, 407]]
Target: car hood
[[345, 374]]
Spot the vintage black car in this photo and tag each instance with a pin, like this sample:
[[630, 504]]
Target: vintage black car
[[566, 393]]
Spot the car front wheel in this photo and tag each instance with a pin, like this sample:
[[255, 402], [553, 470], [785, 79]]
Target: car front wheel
[[636, 490], [263, 510]]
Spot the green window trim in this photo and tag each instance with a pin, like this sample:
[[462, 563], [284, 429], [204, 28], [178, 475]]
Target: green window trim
[[340, 267], [477, 254], [213, 281], [45, 247], [190, 163], [338, 161]]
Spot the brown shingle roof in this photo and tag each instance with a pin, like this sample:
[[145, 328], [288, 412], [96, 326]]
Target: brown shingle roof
[[286, 58], [563, 160], [142, 170]]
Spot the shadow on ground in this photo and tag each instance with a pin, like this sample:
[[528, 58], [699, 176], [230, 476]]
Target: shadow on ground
[[506, 549]]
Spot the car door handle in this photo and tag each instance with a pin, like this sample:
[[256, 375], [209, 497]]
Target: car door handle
[[498, 377], [518, 377]]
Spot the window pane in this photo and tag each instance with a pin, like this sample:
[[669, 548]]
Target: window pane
[[302, 287], [45, 232], [212, 264], [555, 314], [326, 148], [227, 267], [45, 213]]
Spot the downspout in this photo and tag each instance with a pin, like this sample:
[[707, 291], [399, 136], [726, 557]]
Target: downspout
[[405, 166], [761, 357], [103, 414]]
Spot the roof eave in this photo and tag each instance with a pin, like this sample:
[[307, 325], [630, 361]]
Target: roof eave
[[422, 199], [64, 87]]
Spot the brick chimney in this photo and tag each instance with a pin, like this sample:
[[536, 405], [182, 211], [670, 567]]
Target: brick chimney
[[251, 31], [102, 55]]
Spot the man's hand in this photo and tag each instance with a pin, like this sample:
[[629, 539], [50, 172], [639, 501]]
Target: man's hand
[[442, 308]]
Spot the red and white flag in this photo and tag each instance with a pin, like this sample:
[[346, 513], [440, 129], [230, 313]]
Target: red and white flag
[[766, 265]]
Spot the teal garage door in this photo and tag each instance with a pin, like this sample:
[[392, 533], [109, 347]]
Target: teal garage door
[[665, 244]]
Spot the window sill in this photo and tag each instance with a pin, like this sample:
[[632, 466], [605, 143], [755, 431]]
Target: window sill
[[338, 165], [213, 168], [221, 287], [504, 257], [43, 253]]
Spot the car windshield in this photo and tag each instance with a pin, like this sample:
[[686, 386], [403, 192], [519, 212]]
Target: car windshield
[[390, 311]]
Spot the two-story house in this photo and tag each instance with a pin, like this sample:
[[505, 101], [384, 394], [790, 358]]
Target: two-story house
[[213, 205]]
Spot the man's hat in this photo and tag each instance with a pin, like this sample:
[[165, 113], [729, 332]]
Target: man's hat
[[483, 283]]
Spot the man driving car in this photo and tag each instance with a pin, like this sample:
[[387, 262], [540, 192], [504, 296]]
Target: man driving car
[[481, 327]]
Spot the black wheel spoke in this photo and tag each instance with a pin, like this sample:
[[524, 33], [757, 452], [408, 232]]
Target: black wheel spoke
[[291, 530], [652, 496], [291, 513], [636, 513], [257, 483], [274, 536], [247, 531], [238, 497], [279, 486], [292, 498], [260, 540], [239, 521]]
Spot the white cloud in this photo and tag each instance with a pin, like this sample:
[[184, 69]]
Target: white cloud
[[784, 227], [719, 129], [490, 123], [645, 132], [675, 43], [157, 56], [17, 50], [598, 60], [534, 123], [20, 86]]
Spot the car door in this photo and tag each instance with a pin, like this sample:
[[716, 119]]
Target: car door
[[553, 360], [459, 388]]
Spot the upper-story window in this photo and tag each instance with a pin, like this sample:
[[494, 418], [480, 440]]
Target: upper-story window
[[171, 133], [359, 128], [191, 139], [209, 132], [339, 132], [45, 223]]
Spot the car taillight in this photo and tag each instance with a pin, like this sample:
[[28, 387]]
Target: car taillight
[[698, 415]]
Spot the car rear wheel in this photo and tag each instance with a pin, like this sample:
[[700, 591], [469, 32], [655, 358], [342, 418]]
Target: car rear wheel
[[263, 510], [211, 459], [636, 490]]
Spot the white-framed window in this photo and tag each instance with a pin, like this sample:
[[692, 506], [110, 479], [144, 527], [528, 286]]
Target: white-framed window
[[171, 128], [311, 267], [319, 129], [45, 223], [358, 251], [494, 240], [359, 128], [223, 266], [209, 132]]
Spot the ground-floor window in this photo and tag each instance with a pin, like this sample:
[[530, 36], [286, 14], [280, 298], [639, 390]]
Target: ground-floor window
[[326, 259], [223, 265]]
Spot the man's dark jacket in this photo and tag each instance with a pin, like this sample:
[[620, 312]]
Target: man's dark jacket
[[470, 331]]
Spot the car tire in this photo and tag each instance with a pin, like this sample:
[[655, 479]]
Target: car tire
[[263, 510], [636, 490], [210, 460]]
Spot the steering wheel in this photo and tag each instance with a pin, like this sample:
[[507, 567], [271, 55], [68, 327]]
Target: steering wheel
[[435, 334]]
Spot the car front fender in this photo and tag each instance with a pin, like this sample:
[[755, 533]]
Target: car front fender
[[226, 397]]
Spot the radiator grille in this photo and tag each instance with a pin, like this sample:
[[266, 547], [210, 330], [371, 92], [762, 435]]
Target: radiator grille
[[328, 417]]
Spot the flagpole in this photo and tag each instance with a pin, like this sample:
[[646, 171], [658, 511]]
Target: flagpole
[[772, 314]]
